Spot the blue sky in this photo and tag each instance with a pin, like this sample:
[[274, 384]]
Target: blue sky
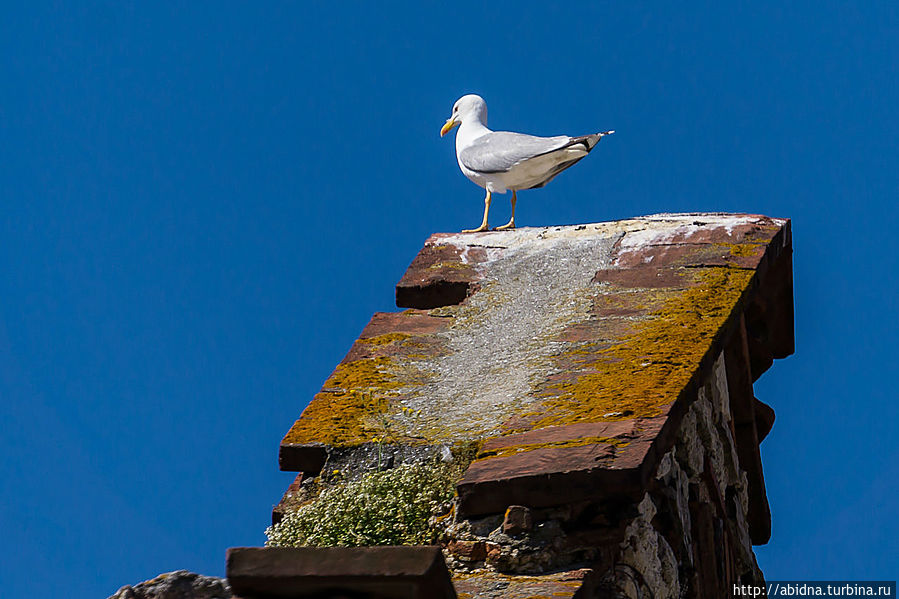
[[202, 206]]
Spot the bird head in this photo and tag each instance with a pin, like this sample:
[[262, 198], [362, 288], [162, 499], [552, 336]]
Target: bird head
[[467, 108]]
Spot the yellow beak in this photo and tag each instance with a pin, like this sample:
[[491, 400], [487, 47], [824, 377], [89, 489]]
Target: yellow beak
[[448, 126]]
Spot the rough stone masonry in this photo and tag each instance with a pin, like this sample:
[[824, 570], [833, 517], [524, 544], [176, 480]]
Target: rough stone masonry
[[602, 372], [605, 373]]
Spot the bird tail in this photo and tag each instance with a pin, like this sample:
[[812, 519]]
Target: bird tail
[[591, 140]]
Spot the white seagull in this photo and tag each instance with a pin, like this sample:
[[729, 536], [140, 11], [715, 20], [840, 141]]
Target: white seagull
[[502, 160]]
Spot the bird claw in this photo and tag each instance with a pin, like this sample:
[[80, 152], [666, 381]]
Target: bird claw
[[480, 229], [508, 225]]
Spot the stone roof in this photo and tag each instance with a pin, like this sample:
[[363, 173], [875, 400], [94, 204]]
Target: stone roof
[[567, 353], [563, 350]]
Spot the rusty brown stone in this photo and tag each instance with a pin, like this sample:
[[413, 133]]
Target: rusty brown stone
[[417, 324], [518, 519], [468, 551], [628, 304], [411, 322], [437, 277], [575, 584], [642, 277], [601, 330], [486, 488], [388, 572], [579, 574], [292, 490], [757, 228], [691, 255], [570, 433]]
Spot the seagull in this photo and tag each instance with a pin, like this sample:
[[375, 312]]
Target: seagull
[[502, 160]]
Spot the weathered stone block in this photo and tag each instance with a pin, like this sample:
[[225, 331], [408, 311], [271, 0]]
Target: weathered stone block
[[385, 572], [468, 551], [517, 520]]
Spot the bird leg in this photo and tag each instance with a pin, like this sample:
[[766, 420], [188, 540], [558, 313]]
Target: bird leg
[[483, 226], [511, 223]]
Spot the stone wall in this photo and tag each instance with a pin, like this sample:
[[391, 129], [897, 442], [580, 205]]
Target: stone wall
[[687, 536], [592, 384], [691, 536]]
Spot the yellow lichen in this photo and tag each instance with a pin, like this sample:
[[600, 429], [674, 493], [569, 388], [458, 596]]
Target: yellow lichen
[[648, 368], [456, 265], [641, 365], [741, 249], [385, 339], [340, 414], [444, 311]]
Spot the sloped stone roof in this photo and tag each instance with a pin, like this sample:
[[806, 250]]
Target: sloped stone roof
[[567, 353]]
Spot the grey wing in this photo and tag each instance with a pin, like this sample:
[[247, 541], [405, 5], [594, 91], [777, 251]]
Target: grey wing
[[499, 151]]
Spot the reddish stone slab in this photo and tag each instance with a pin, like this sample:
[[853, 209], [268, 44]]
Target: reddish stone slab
[[692, 255], [634, 302], [384, 572], [585, 472], [410, 322], [620, 430], [570, 584], [707, 229], [641, 277], [380, 336], [468, 551], [369, 379], [439, 276], [282, 507]]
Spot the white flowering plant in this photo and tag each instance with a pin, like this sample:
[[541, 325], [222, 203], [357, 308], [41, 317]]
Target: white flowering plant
[[390, 507]]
